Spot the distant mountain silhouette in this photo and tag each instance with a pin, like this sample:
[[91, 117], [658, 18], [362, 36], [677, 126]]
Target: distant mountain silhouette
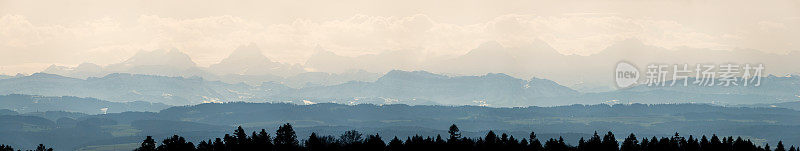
[[248, 60], [245, 65], [537, 59], [84, 70], [119, 87], [170, 58], [30, 103], [327, 61], [490, 89], [395, 87], [417, 87], [158, 62], [790, 105]]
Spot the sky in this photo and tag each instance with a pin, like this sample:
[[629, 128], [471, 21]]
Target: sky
[[35, 34]]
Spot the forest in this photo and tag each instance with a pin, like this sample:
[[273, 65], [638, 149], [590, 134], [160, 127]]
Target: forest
[[197, 123], [285, 139]]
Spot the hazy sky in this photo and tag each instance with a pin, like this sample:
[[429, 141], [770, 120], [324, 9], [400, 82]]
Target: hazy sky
[[37, 33]]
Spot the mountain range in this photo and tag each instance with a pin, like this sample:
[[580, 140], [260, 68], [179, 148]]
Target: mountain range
[[394, 87], [417, 87], [248, 64], [171, 77], [31, 103]]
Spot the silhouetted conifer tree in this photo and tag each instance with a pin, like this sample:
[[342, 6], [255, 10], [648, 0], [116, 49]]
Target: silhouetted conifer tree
[[175, 143], [766, 147], [313, 143], [555, 145], [704, 143], [219, 145], [285, 138], [147, 145], [241, 136], [609, 142], [780, 146], [490, 141], [645, 144], [692, 144], [262, 140], [41, 147], [205, 146], [491, 138], [630, 144], [374, 142], [535, 144], [4, 147], [351, 137], [455, 133], [395, 145]]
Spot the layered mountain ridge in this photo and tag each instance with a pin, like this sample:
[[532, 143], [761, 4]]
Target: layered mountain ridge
[[395, 87]]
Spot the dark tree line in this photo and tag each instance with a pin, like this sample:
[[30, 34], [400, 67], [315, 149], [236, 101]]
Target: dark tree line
[[41, 147], [286, 140]]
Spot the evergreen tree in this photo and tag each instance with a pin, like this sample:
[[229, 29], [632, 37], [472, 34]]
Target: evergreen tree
[[241, 136], [204, 146], [556, 145], [582, 144], [654, 143], [726, 145], [610, 142], [677, 142], [350, 137], [630, 143], [175, 143], [766, 147], [230, 142], [645, 145], [285, 138], [314, 143], [455, 134], [262, 140], [491, 138], [705, 144], [439, 140], [780, 146], [715, 144], [524, 144], [692, 144], [740, 144], [535, 144], [594, 143], [41, 147], [395, 144], [512, 143], [374, 142], [6, 148], [504, 138], [147, 145], [219, 145]]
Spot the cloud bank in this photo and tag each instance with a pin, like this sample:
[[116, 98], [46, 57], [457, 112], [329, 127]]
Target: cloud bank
[[383, 35]]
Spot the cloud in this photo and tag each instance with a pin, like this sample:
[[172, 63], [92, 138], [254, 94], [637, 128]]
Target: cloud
[[207, 40]]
